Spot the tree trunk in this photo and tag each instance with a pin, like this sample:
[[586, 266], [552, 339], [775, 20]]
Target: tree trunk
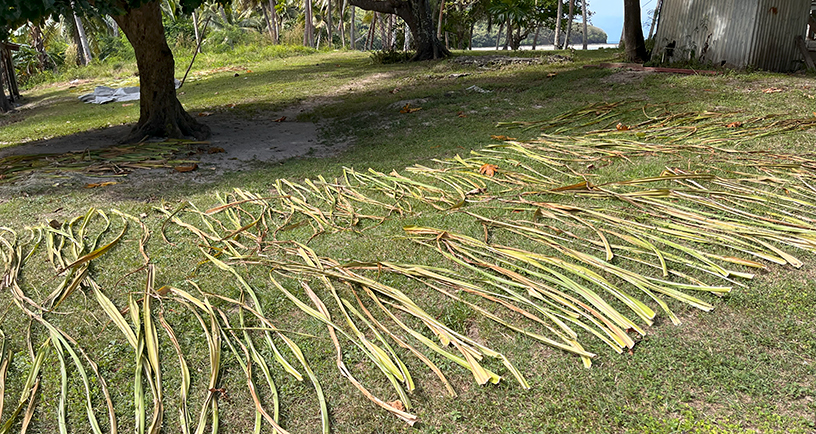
[[273, 10], [197, 34], [417, 14], [499, 35], [39, 45], [654, 18], [570, 17], [635, 46], [557, 37], [439, 23], [83, 39], [160, 112], [369, 44], [329, 24], [584, 7], [308, 24], [509, 37], [353, 29], [535, 37], [406, 43], [342, 24], [5, 104], [269, 26]]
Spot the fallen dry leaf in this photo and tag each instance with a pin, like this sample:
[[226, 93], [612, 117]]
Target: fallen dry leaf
[[127, 104], [100, 184], [552, 74], [734, 124], [204, 114], [772, 90], [461, 114], [396, 404], [280, 119], [488, 169], [408, 109], [503, 138], [231, 105], [215, 150], [186, 168], [622, 127]]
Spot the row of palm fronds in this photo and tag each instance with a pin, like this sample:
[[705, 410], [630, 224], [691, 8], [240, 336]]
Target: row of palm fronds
[[541, 249], [112, 161]]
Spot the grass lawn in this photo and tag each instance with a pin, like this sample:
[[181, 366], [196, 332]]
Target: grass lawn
[[748, 365]]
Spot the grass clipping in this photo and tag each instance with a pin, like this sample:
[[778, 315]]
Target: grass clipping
[[564, 258]]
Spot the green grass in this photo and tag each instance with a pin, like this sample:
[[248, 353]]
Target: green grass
[[748, 366]]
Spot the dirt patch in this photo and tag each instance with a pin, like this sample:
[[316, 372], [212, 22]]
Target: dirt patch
[[625, 77], [497, 61], [247, 142]]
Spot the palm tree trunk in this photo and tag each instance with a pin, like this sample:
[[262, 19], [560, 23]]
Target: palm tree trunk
[[5, 104], [329, 24], [353, 29], [499, 35], [342, 24], [308, 31], [269, 25], [584, 7], [197, 34], [439, 23], [273, 10], [557, 38], [535, 38], [83, 39], [509, 35], [654, 18], [406, 45], [569, 23]]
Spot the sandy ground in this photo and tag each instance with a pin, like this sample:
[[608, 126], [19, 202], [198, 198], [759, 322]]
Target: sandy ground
[[247, 142]]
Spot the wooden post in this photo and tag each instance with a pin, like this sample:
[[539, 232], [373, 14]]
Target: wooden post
[[800, 42]]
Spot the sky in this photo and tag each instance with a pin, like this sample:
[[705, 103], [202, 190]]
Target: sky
[[608, 15]]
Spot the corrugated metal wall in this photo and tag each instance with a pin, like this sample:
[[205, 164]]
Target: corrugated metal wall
[[778, 24], [736, 33]]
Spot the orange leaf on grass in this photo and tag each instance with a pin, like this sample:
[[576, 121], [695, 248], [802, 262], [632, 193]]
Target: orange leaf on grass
[[280, 119], [488, 169], [186, 168], [734, 124], [503, 138], [621, 127], [100, 184], [408, 109]]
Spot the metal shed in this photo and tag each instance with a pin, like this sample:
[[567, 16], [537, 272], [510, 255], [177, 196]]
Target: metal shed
[[733, 33]]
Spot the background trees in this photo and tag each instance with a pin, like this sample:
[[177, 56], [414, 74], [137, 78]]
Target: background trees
[[53, 33]]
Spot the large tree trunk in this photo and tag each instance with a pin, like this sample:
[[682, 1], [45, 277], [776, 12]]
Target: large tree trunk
[[633, 32], [5, 104], [417, 14], [161, 113]]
